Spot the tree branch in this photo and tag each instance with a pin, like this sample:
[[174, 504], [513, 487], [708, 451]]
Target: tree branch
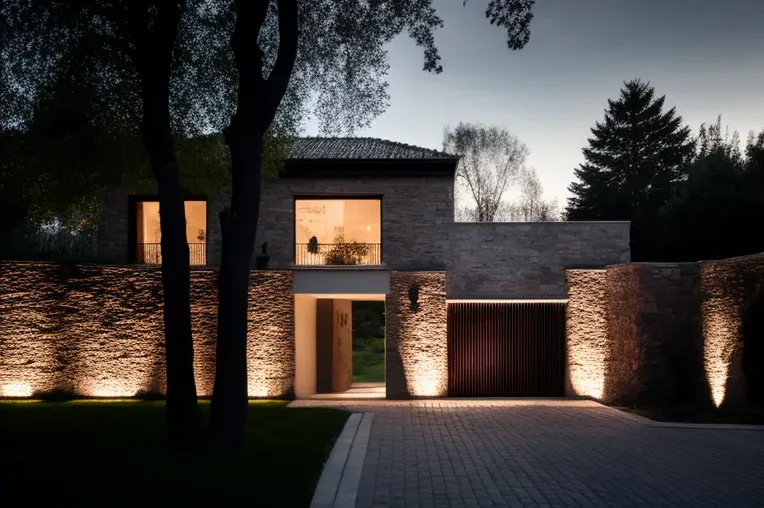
[[278, 81]]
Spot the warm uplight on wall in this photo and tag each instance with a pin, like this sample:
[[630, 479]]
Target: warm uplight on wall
[[586, 330], [16, 390], [719, 332], [110, 388], [422, 342]]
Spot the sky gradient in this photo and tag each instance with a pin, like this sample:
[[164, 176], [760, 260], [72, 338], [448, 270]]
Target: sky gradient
[[706, 56]]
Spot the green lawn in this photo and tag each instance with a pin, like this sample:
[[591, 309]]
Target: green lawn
[[369, 361], [97, 453], [689, 414]]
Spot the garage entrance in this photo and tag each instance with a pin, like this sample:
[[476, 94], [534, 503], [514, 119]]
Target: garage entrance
[[506, 349]]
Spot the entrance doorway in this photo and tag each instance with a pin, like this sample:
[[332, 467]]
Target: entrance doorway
[[339, 346]]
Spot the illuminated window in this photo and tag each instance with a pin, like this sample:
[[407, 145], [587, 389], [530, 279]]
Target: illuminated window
[[149, 236], [338, 231]]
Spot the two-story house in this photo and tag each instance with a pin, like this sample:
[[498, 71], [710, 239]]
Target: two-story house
[[471, 309]]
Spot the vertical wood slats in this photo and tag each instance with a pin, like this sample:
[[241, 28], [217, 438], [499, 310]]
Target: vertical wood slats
[[509, 349]]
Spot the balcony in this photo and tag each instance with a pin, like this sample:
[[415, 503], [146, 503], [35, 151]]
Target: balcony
[[338, 254], [151, 253]]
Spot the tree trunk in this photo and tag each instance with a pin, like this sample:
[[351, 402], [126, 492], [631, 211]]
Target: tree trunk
[[183, 423], [154, 45], [258, 100], [238, 225]]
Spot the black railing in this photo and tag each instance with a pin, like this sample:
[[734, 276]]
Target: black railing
[[151, 253], [347, 253]]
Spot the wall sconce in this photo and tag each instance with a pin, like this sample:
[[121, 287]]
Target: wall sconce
[[414, 296]]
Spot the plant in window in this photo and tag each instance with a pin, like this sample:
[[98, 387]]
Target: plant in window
[[346, 253]]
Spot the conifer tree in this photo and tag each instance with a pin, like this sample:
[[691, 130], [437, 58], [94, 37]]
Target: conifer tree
[[634, 160]]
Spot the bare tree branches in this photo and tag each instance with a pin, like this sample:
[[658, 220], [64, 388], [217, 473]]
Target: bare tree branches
[[492, 159]]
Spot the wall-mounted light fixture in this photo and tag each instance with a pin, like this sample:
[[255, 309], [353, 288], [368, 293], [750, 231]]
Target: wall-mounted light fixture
[[414, 296]]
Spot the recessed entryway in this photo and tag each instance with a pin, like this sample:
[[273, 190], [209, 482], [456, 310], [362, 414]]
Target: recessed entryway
[[339, 346]]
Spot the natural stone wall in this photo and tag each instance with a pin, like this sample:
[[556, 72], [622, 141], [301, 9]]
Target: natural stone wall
[[528, 260], [416, 337], [667, 333], [586, 329], [97, 330], [732, 315]]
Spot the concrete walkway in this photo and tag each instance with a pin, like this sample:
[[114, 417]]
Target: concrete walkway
[[548, 453]]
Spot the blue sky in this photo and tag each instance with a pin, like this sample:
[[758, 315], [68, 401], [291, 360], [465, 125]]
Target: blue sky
[[706, 56]]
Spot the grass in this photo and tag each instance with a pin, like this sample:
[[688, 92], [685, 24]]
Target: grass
[[369, 361], [93, 453], [691, 414]]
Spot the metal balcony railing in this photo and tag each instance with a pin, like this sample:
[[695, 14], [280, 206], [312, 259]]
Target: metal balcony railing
[[346, 253], [151, 253]]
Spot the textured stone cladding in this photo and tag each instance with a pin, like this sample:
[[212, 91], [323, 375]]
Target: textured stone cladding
[[729, 289], [415, 216], [97, 330], [673, 333], [416, 338], [586, 329], [528, 260]]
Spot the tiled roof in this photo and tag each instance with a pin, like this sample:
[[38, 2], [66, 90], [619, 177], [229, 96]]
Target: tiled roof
[[360, 148]]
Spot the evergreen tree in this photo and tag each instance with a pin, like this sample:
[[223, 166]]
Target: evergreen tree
[[634, 161]]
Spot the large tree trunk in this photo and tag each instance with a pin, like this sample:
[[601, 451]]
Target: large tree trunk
[[153, 56], [238, 225], [258, 100]]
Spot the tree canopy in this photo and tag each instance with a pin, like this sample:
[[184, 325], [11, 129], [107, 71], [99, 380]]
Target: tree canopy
[[634, 160]]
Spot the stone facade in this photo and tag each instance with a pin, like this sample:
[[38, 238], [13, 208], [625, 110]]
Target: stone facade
[[416, 213], [665, 333], [415, 216], [97, 330], [528, 260], [732, 315], [586, 330], [416, 335]]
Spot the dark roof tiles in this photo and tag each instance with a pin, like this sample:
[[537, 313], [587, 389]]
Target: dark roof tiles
[[360, 148]]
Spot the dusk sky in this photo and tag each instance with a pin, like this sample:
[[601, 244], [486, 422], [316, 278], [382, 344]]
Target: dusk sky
[[706, 56]]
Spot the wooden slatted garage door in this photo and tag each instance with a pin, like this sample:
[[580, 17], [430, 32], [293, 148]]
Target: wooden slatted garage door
[[506, 349]]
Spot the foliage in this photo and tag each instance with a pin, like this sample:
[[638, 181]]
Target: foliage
[[491, 159], [634, 161], [368, 319], [531, 207], [720, 208], [346, 253], [368, 360]]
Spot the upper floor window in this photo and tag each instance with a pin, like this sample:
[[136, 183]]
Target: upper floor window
[[148, 248], [338, 231]]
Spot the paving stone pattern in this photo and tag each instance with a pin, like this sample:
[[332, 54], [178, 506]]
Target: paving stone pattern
[[493, 453]]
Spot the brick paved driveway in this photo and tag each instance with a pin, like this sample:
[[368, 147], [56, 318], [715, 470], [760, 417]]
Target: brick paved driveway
[[496, 453]]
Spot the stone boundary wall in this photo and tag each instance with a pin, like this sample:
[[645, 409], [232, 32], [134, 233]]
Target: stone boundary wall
[[416, 359], [661, 333], [517, 260], [731, 309], [97, 330]]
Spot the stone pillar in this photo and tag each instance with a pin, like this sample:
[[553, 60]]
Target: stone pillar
[[586, 333], [416, 360]]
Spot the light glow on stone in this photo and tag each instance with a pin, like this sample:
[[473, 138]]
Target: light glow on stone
[[17, 389]]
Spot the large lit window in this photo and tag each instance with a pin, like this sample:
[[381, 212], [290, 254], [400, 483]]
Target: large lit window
[[149, 236], [338, 232]]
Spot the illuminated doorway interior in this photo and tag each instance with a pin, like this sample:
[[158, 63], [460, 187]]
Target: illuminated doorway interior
[[338, 231], [149, 236]]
